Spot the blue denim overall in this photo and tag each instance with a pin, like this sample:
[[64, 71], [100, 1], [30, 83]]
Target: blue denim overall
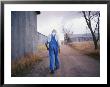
[[53, 53]]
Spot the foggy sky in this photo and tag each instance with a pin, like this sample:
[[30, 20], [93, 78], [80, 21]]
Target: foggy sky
[[72, 20]]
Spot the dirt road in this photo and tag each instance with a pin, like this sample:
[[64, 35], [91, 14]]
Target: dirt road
[[72, 64]]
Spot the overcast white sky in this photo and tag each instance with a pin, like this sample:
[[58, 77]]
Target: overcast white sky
[[49, 20]]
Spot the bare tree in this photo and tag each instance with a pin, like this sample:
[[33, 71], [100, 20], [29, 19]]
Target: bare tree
[[93, 16], [67, 34]]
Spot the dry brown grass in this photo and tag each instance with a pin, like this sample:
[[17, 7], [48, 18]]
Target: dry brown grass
[[86, 47], [41, 47], [21, 64]]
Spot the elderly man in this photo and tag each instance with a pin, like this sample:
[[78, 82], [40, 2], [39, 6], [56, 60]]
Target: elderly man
[[53, 46]]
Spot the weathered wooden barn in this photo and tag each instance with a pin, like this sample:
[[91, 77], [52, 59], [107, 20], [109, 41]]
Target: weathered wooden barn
[[41, 39], [24, 35]]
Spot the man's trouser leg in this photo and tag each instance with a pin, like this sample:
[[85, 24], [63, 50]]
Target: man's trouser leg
[[51, 56], [56, 59]]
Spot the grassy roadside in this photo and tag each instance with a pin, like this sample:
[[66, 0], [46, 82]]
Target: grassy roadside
[[22, 65], [87, 48], [19, 66], [41, 48]]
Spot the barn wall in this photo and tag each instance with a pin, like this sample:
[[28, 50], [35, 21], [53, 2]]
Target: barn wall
[[41, 38], [23, 33]]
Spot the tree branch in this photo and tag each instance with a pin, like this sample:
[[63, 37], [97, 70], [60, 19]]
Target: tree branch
[[87, 21]]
